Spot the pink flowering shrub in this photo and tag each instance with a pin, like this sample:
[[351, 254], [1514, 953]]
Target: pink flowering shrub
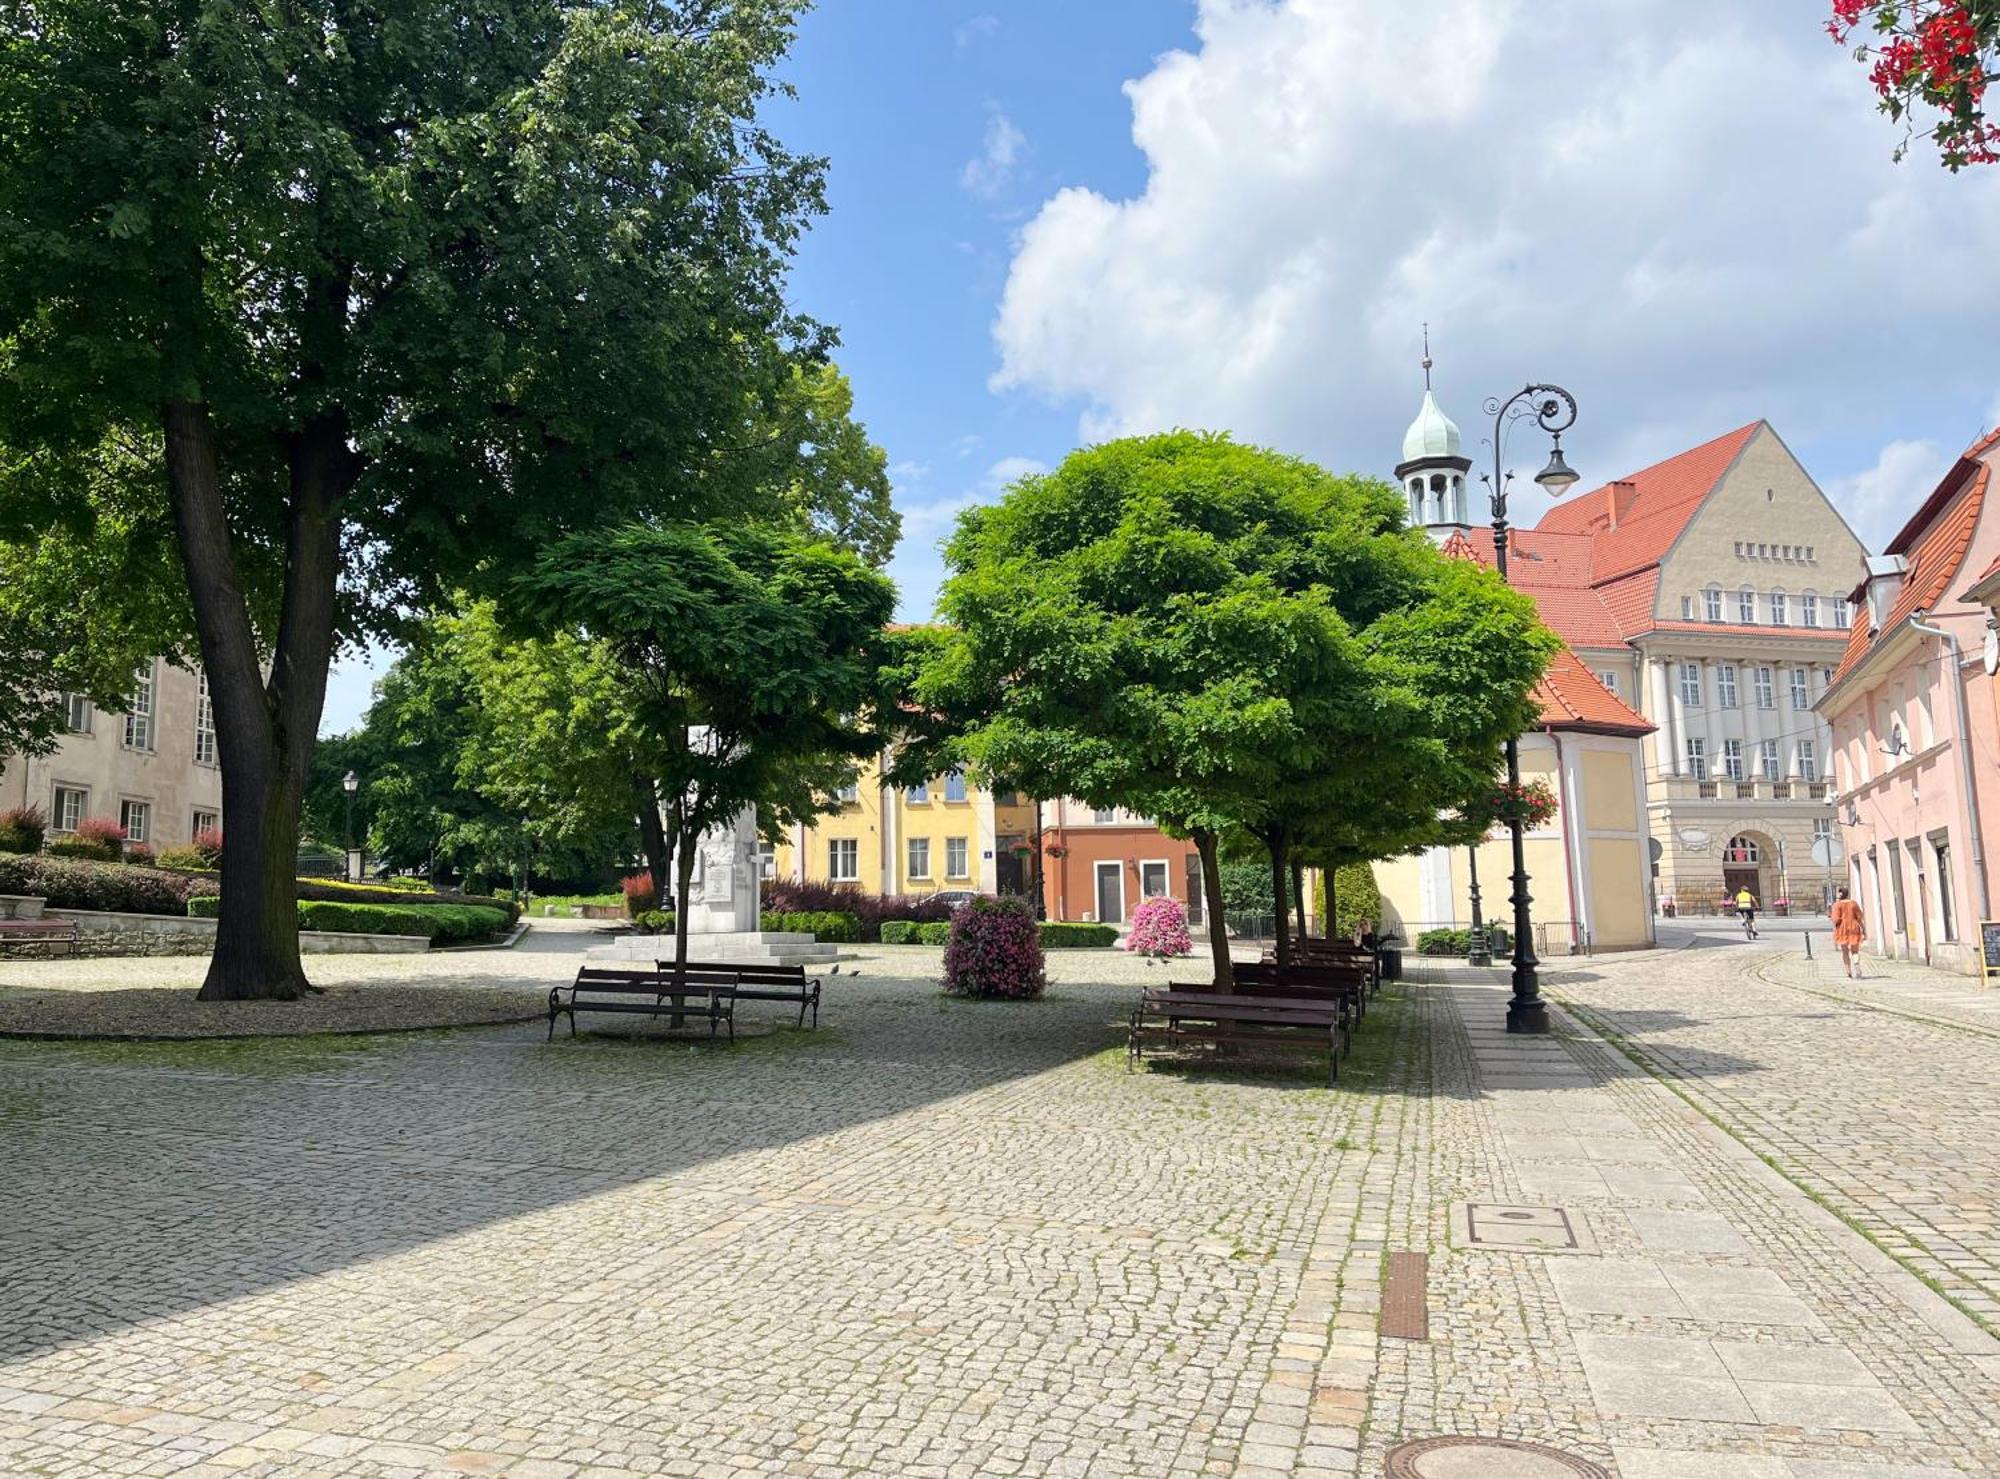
[[1159, 929], [995, 950]]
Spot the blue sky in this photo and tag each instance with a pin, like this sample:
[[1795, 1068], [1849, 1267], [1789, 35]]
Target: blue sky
[[1053, 221]]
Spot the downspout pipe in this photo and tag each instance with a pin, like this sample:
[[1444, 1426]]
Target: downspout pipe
[[1965, 790]]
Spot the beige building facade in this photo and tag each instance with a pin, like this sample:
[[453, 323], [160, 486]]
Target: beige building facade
[[152, 769]]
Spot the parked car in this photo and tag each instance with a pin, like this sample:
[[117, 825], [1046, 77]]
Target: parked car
[[954, 897]]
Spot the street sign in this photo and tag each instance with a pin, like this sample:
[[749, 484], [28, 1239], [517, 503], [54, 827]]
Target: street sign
[[1825, 852]]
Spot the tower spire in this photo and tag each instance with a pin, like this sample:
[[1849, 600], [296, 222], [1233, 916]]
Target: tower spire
[[1427, 356]]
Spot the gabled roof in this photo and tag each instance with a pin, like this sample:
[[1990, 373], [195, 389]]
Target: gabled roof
[[1653, 506], [1571, 696], [1934, 543]]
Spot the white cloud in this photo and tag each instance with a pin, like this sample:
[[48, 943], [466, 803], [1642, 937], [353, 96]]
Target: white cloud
[[970, 32], [918, 566], [1686, 212], [1878, 500], [966, 445], [991, 172], [910, 471]]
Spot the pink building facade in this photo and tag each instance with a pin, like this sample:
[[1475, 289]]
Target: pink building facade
[[1915, 718]]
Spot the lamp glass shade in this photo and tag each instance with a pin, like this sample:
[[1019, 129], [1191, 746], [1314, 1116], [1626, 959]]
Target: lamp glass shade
[[350, 783], [1558, 477]]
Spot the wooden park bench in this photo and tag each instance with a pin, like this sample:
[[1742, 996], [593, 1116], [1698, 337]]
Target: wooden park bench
[[1181, 1015], [787, 983], [1336, 953], [1309, 982], [38, 932], [705, 993]]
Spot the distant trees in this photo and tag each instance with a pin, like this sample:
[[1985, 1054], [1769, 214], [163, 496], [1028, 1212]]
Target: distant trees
[[1224, 638], [1937, 55]]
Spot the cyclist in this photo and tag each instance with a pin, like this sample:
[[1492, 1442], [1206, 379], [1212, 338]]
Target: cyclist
[[1746, 910]]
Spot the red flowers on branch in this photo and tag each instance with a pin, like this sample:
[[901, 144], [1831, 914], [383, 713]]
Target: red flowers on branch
[[1531, 803], [1935, 53]]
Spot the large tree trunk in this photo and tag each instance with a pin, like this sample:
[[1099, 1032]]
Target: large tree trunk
[[265, 727], [1278, 842], [1211, 890], [652, 836]]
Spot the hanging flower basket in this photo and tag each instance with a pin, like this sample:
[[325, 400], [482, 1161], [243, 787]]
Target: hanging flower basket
[[1056, 850], [1531, 804]]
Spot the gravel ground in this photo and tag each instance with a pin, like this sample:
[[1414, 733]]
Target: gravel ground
[[152, 997]]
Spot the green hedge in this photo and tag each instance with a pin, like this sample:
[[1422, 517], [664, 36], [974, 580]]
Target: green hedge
[[830, 927], [1057, 936], [1459, 942], [446, 923], [900, 931], [938, 932], [119, 887]]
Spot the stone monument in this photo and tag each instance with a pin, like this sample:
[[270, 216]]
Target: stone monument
[[724, 909]]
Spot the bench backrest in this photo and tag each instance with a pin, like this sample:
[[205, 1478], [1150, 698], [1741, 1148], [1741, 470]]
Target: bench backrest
[[1213, 1007], [749, 975], [637, 978], [1264, 973], [1347, 990]]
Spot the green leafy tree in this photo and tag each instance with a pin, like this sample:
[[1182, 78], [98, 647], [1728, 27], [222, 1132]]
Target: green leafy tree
[[751, 657], [398, 295], [1210, 634]]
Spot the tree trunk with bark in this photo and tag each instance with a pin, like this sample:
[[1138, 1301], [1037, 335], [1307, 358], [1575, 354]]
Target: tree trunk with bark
[[652, 836], [684, 858], [1278, 841], [1205, 844]]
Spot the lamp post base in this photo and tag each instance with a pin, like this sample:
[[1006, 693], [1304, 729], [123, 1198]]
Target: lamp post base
[[1481, 954], [1529, 1016]]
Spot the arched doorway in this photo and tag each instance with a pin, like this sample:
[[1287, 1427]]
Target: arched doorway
[[1748, 861]]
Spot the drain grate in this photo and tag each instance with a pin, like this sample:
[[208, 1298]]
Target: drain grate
[[1405, 1297], [1486, 1458]]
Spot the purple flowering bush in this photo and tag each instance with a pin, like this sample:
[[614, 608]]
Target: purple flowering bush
[[1159, 929], [995, 950]]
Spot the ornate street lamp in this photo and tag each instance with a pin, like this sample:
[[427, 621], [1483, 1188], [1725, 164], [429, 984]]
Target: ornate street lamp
[[350, 783], [1554, 410]]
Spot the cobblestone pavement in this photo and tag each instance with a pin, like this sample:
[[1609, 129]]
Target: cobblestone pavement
[[937, 1238], [1716, 1323]]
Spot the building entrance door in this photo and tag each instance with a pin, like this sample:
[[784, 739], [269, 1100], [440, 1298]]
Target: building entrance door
[[1110, 893], [1735, 879], [1010, 869]]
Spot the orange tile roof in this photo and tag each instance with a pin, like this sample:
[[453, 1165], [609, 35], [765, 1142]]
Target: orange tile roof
[[1657, 503], [1935, 551], [1574, 698], [1571, 696]]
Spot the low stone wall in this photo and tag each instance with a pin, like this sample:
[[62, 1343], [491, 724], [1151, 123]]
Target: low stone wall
[[99, 932]]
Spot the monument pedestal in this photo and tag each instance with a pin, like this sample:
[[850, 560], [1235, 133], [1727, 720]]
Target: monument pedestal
[[740, 947]]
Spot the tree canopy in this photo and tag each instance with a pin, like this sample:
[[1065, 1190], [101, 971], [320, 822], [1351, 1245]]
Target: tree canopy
[[391, 298], [1219, 636], [751, 660]]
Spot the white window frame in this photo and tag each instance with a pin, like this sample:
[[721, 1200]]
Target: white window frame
[[1166, 867], [77, 713], [954, 786], [1764, 685], [139, 716], [843, 850], [1779, 615], [1842, 613], [205, 750], [1732, 759], [1691, 684], [129, 807], [1609, 679], [848, 794], [1808, 760], [1801, 689], [1697, 757], [1712, 603], [961, 870], [1808, 608], [1104, 816], [917, 795], [202, 817], [1746, 607], [1687, 608], [913, 848], [1770, 759], [1725, 684], [57, 826], [1097, 891]]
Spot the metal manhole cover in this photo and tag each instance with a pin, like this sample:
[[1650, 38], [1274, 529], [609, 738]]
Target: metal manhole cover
[[1486, 1458], [1510, 1228]]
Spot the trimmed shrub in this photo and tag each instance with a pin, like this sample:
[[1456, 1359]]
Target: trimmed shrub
[[641, 895], [829, 926], [208, 842], [899, 932], [98, 839], [339, 891], [119, 887], [447, 923], [1159, 929], [183, 859], [1059, 936], [22, 829], [1357, 900], [934, 933], [82, 848], [994, 951], [1459, 942], [789, 896], [659, 921], [139, 853]]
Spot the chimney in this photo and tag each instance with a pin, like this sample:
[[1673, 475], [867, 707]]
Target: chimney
[[1885, 578], [1623, 491]]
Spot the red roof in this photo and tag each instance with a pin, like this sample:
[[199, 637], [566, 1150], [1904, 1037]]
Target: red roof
[[1653, 506], [1570, 695], [1934, 544]]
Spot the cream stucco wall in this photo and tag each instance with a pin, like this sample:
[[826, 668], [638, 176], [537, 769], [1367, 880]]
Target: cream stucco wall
[[164, 775]]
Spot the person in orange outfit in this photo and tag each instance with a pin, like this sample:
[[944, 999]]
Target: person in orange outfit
[[1849, 930]]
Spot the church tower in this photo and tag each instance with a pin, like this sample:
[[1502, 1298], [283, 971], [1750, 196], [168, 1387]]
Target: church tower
[[1432, 472]]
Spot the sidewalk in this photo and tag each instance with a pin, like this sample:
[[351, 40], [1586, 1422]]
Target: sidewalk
[[1613, 1276]]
